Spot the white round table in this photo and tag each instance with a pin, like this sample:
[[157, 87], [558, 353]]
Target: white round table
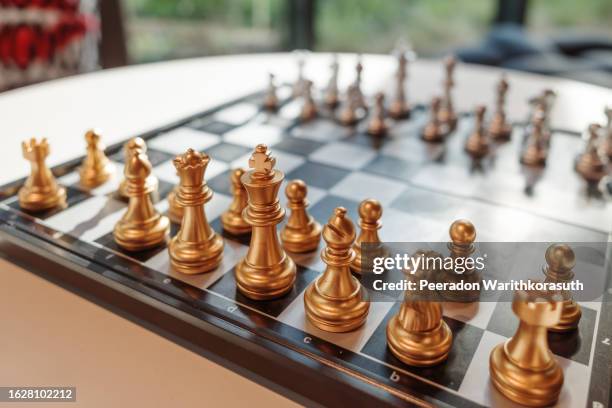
[[53, 337]]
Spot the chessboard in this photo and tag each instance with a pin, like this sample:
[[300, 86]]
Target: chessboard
[[423, 188]]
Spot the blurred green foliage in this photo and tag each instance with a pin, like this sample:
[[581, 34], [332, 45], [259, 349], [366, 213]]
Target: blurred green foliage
[[161, 29], [583, 15], [239, 11], [431, 26]]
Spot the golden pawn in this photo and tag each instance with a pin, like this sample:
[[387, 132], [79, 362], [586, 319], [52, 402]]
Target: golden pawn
[[417, 335], [348, 115], [336, 301], [477, 144], [136, 143], [433, 132], [499, 129], [331, 91], [232, 219], [309, 108], [175, 210], [40, 191], [447, 116], [266, 272], [196, 248], [523, 368], [270, 102], [370, 213], [535, 152], [378, 125], [590, 165], [301, 233], [399, 108], [560, 260], [461, 246], [96, 168], [141, 227]]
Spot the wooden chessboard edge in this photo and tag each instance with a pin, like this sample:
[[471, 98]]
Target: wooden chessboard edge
[[279, 369]]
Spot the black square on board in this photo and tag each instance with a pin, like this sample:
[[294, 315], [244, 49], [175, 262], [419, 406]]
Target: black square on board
[[216, 127], [318, 175], [221, 183], [73, 197], [244, 239], [391, 167], [226, 286], [415, 200], [302, 147], [449, 373], [226, 152], [142, 256], [324, 208]]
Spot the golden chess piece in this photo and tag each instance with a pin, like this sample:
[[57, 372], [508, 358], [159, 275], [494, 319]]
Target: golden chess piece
[[348, 116], [136, 143], [175, 210], [418, 335], [266, 272], [336, 301], [523, 368], [447, 116], [331, 92], [370, 213], [378, 125], [232, 219], [589, 164], [298, 86], [196, 248], [399, 108], [301, 233], [96, 168], [535, 152], [40, 191], [560, 261], [141, 226], [359, 97], [461, 246], [270, 102], [477, 144], [432, 132], [499, 128], [309, 108]]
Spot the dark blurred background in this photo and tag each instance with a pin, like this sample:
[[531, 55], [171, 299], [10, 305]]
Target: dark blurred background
[[562, 37]]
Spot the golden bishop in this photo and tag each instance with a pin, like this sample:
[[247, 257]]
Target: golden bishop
[[336, 301], [142, 226], [133, 144]]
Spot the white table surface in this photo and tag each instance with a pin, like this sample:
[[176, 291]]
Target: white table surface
[[52, 337]]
